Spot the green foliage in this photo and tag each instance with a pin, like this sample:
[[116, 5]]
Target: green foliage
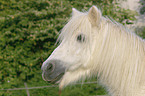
[[28, 31], [141, 31], [142, 9]]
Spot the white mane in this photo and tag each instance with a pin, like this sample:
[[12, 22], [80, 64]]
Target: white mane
[[121, 60]]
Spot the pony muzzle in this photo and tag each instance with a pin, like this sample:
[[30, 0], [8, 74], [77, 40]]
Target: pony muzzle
[[53, 71]]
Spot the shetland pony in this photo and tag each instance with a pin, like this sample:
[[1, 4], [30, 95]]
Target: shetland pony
[[93, 45]]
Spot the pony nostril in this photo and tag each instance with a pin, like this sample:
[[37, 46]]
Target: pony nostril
[[51, 67]]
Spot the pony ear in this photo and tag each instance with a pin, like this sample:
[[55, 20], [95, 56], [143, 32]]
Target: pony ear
[[75, 12], [94, 15]]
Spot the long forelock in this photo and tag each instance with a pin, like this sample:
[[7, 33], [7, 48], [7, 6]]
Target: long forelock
[[77, 24]]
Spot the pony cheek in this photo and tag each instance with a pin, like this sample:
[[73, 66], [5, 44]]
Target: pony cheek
[[73, 67]]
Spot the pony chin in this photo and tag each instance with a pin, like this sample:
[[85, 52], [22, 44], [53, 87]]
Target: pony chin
[[73, 77]]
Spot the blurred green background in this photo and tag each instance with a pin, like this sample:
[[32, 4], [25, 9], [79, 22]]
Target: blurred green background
[[28, 32]]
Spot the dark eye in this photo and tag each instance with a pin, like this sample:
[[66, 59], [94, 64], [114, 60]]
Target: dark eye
[[81, 38]]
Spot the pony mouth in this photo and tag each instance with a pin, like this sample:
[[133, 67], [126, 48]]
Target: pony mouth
[[52, 79], [57, 79]]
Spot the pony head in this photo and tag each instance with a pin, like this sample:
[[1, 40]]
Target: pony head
[[90, 45], [73, 59]]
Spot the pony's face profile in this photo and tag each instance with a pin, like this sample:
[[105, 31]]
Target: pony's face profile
[[93, 45], [70, 61]]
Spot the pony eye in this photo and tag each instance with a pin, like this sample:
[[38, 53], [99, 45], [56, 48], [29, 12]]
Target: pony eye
[[81, 38]]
